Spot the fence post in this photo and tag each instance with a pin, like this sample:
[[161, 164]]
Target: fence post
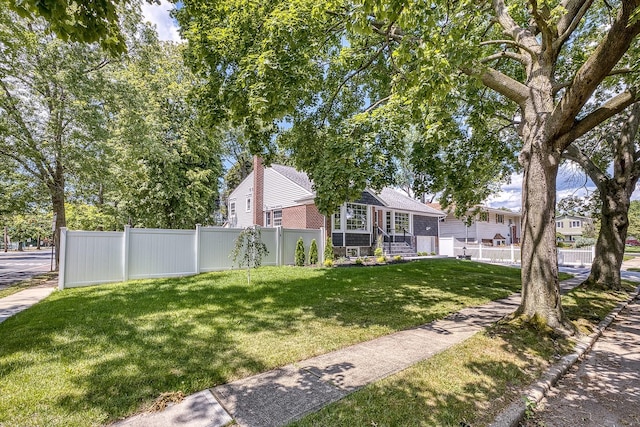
[[197, 248], [321, 243], [479, 251], [125, 253], [513, 255], [593, 253], [279, 245], [63, 258]]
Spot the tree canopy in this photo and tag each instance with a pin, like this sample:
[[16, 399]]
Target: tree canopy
[[503, 77]]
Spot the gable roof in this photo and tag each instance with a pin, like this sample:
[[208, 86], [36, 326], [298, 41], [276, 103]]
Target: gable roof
[[396, 200], [295, 176], [450, 209]]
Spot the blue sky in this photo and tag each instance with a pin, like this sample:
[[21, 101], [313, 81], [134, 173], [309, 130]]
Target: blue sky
[[570, 181]]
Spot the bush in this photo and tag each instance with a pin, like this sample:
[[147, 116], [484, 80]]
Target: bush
[[397, 258], [359, 261], [381, 260], [313, 253], [378, 252], [328, 249], [300, 257], [328, 263], [582, 242]]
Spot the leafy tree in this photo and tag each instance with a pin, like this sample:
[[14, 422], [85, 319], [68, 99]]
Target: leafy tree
[[614, 147], [349, 77], [168, 164], [249, 250], [634, 219], [81, 21], [52, 114], [300, 256], [313, 253]]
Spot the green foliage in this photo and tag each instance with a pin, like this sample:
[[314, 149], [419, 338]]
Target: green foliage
[[313, 253], [634, 219], [381, 260], [328, 262], [249, 249], [378, 252], [582, 242], [300, 255], [82, 216], [328, 249], [397, 258], [359, 261]]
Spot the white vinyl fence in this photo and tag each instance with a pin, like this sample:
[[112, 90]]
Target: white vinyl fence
[[510, 254], [93, 257]]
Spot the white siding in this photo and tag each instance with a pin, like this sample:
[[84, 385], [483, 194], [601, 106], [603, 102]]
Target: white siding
[[239, 195], [453, 227], [280, 191]]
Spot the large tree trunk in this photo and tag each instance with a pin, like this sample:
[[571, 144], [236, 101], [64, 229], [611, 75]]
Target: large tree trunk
[[56, 190], [605, 269], [540, 286]]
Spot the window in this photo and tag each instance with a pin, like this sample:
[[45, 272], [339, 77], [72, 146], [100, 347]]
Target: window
[[402, 222], [356, 216], [277, 218], [388, 223], [337, 221], [559, 224], [500, 218], [232, 208], [248, 209], [267, 219], [574, 224], [483, 216]]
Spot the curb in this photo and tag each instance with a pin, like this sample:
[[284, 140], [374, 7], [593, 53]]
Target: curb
[[514, 413]]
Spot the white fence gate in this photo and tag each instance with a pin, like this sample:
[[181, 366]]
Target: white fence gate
[[92, 257]]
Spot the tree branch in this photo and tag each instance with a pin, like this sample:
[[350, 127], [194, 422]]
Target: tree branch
[[377, 104], [576, 155], [609, 109], [501, 83], [511, 43], [504, 54], [575, 11], [596, 67], [517, 33]]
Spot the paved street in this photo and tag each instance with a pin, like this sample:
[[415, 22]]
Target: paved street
[[17, 266]]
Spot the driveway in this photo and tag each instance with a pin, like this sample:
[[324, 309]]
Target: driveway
[[17, 266]]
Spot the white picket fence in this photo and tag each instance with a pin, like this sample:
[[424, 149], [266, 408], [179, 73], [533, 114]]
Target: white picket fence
[[95, 257], [511, 254]]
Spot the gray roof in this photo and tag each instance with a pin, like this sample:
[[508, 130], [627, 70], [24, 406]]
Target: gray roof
[[396, 200], [391, 198], [294, 175]]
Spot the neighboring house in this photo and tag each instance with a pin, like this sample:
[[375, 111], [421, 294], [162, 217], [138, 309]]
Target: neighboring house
[[282, 196], [489, 226], [571, 227]]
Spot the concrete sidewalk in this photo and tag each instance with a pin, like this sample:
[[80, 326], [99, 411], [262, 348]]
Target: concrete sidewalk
[[278, 397], [22, 300]]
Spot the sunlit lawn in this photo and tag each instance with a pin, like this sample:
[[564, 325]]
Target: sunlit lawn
[[470, 383], [91, 355]]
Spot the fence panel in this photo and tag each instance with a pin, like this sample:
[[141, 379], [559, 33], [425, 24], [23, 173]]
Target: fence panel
[[290, 239], [579, 257], [92, 257], [161, 253], [216, 244]]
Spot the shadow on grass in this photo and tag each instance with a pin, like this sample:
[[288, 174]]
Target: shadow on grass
[[105, 352]]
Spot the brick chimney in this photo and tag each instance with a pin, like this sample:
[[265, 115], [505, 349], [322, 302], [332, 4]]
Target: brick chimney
[[258, 191]]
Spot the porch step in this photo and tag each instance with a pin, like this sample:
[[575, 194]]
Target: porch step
[[398, 248]]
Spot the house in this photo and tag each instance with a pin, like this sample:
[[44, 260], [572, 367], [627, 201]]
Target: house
[[571, 227], [489, 226], [280, 195]]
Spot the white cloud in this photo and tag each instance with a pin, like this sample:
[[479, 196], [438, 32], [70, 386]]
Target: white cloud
[[158, 15]]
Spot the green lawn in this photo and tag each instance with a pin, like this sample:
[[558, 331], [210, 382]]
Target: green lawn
[[470, 383], [89, 356]]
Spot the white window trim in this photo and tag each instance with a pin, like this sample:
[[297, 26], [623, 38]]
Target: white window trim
[[232, 211], [341, 213], [393, 225], [343, 219]]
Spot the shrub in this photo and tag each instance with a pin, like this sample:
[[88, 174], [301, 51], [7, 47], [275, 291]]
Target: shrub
[[328, 263], [432, 253], [581, 242], [378, 252], [381, 259], [328, 249], [397, 258], [359, 261], [249, 250], [313, 253], [300, 257]]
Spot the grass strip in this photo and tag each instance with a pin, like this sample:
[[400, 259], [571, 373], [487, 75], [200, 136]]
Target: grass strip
[[470, 383], [28, 283]]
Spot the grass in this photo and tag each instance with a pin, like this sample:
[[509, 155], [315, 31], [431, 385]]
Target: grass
[[25, 284], [632, 249], [470, 383], [89, 356]]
